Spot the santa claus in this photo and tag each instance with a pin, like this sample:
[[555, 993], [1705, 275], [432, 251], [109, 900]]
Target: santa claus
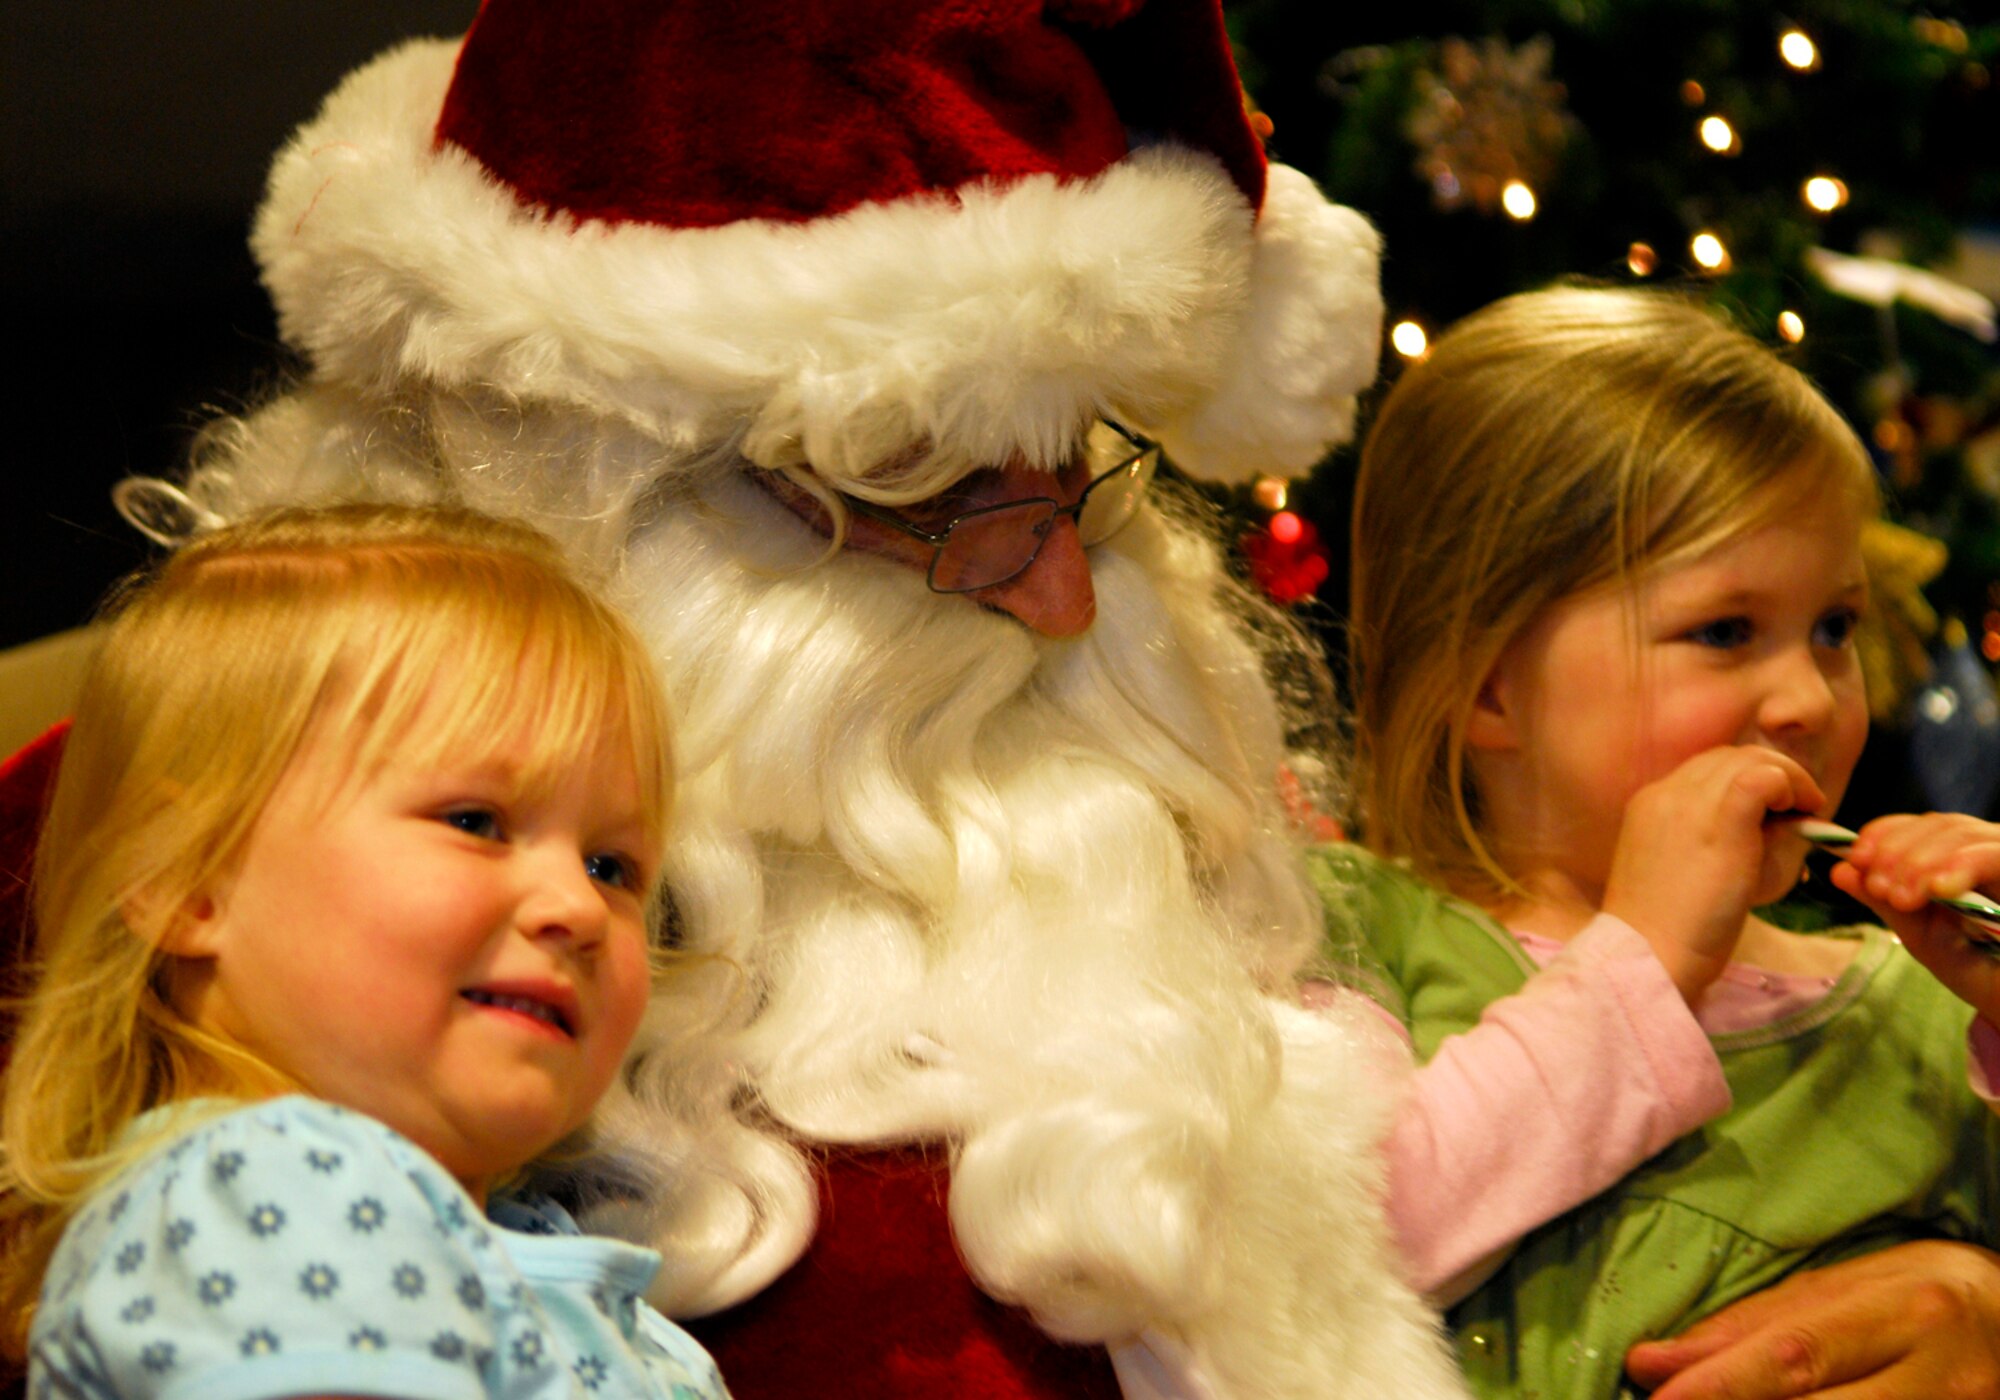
[[845, 337]]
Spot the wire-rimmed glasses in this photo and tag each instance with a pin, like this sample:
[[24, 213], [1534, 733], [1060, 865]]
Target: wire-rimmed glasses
[[995, 543]]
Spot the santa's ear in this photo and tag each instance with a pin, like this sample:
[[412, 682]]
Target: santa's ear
[[1493, 724]]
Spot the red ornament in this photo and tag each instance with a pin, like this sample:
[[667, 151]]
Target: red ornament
[[1306, 819], [1286, 558]]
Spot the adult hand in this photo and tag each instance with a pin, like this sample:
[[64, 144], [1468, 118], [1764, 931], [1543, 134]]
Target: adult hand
[[1914, 1322]]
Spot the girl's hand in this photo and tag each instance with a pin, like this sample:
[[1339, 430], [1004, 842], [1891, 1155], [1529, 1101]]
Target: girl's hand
[[1897, 865], [1694, 855]]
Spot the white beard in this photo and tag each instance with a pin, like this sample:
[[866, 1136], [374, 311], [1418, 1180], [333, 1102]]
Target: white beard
[[1035, 900], [1038, 900]]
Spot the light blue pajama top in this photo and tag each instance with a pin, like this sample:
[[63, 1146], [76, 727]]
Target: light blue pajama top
[[295, 1248]]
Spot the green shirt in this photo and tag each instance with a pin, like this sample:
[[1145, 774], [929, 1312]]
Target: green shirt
[[1853, 1127]]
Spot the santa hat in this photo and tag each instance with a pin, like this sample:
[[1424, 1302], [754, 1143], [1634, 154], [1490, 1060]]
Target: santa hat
[[842, 228]]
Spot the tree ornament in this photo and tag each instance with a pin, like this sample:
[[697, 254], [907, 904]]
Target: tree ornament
[[1955, 731], [1286, 558], [1881, 282], [1982, 458], [1894, 638], [1486, 116]]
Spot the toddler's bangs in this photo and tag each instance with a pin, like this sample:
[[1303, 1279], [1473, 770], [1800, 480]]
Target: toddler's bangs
[[507, 663]]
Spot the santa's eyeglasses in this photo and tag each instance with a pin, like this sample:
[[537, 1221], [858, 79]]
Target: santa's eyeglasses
[[990, 545]]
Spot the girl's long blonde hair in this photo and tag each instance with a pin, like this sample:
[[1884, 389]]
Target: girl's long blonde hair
[[215, 672], [1550, 443]]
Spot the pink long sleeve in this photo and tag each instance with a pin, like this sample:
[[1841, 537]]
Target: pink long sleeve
[[1559, 1091]]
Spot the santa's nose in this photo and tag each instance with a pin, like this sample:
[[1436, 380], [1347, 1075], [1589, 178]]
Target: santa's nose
[[1054, 595]]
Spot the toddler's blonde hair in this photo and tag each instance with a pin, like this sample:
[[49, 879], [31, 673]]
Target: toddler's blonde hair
[[355, 633], [1553, 442]]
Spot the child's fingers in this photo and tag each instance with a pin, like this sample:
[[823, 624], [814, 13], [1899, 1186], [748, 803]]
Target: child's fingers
[[1782, 781], [1968, 858], [1721, 793], [1939, 939], [1851, 880], [1907, 859], [1747, 784], [1902, 833], [1909, 918]]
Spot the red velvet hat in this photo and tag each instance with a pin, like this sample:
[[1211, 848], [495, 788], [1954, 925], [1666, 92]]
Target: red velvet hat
[[839, 228], [810, 107]]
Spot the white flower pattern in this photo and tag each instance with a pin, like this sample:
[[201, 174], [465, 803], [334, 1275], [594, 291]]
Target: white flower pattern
[[316, 1233]]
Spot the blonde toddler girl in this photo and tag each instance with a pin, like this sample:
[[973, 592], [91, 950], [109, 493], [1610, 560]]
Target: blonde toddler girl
[[342, 912]]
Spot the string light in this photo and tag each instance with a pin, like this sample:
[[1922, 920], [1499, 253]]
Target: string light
[[1719, 136], [1709, 252], [1287, 527], [1824, 193], [1641, 258], [1893, 435], [1409, 339], [1796, 47], [1693, 93], [1791, 327], [1271, 492], [1518, 200]]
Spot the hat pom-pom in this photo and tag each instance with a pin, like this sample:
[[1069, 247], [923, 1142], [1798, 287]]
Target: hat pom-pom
[[1308, 343]]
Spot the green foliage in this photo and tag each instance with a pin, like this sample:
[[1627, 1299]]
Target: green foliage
[[1594, 103], [1903, 106]]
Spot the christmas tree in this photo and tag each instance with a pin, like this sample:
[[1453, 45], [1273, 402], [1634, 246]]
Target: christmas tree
[[1828, 175]]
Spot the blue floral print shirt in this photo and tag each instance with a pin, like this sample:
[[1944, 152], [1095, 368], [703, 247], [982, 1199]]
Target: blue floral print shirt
[[293, 1247]]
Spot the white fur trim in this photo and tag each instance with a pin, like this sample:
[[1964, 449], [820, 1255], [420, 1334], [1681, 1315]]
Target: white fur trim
[[999, 321], [1310, 339]]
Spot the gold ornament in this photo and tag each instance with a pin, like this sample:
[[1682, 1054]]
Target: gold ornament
[[1487, 117]]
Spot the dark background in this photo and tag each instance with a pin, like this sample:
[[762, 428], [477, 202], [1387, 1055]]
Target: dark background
[[133, 143]]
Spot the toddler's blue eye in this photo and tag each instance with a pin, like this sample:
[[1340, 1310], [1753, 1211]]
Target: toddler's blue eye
[[1836, 629], [608, 869], [1723, 633], [474, 821]]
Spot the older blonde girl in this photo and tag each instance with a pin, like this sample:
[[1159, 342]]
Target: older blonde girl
[[1606, 577]]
